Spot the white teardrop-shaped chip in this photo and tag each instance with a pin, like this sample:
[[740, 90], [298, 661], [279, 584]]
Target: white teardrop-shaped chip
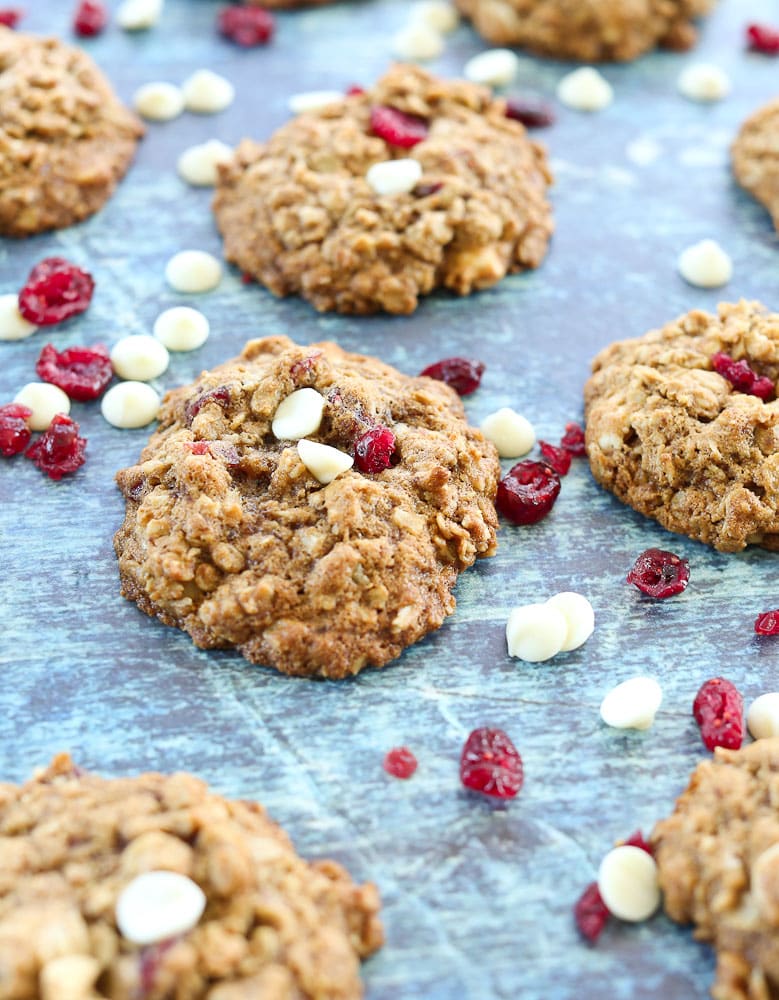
[[629, 884], [763, 716], [535, 632], [138, 15], [579, 617], [511, 433], [322, 461], [704, 82], [417, 42], [158, 905], [193, 271], [199, 165], [394, 176], [130, 404], [493, 68], [45, 400], [182, 328], [13, 326], [585, 89], [158, 101], [705, 265], [313, 100], [139, 357], [206, 92], [299, 415], [633, 704], [438, 14]]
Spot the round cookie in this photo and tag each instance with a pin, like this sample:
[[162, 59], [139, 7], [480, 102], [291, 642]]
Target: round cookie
[[673, 439], [718, 860], [65, 139], [587, 30], [755, 156], [273, 926], [237, 543], [298, 214]]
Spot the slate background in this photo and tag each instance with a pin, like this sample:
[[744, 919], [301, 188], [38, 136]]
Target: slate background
[[477, 897]]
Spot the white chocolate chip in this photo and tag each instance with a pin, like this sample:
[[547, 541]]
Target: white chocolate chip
[[158, 101], [69, 977], [510, 432], [45, 400], [493, 68], [703, 82], [763, 716], [313, 100], [438, 14], [206, 92], [417, 41], [199, 165], [13, 326], [705, 265], [299, 415], [158, 905], [193, 271], [585, 89], [535, 632], [632, 704], [130, 404], [139, 357], [323, 462], [629, 884], [579, 617], [182, 328], [137, 15], [394, 176]]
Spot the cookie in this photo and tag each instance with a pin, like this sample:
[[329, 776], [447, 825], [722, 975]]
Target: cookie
[[587, 30], [230, 537], [755, 156], [65, 139], [676, 441], [298, 214], [718, 859], [274, 925]]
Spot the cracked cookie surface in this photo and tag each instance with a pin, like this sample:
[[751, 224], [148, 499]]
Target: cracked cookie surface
[[65, 138], [298, 214], [673, 439], [755, 157], [274, 925], [242, 546]]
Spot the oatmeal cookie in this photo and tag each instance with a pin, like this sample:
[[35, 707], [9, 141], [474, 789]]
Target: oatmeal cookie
[[230, 537], [587, 30], [274, 925], [65, 139], [756, 157], [298, 214], [718, 856], [676, 441]]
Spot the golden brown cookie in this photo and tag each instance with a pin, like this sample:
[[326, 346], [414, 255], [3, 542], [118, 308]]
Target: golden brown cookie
[[679, 442], [756, 157], [273, 926], [229, 536], [65, 139], [298, 214], [718, 859], [587, 30]]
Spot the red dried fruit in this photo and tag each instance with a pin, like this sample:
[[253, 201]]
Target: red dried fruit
[[658, 573], [530, 111], [573, 440], [374, 449], [490, 764], [14, 432], [59, 450], [246, 26], [558, 458], [637, 840], [11, 16], [425, 190], [219, 395], [400, 763], [355, 90], [90, 18], [199, 447], [767, 623], [461, 374], [719, 711], [151, 958], [527, 492], [303, 366], [55, 290], [591, 913], [763, 38], [742, 377], [82, 372], [396, 127]]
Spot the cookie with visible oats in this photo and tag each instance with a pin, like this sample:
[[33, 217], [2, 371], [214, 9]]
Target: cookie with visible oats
[[274, 925], [298, 214], [755, 156], [681, 443], [230, 537]]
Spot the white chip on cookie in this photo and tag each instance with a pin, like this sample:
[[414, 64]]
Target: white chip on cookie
[[437, 14], [158, 101], [193, 271], [299, 415], [493, 68], [417, 42], [13, 326], [158, 905], [763, 716], [139, 357], [130, 404], [45, 400], [628, 883], [206, 92], [394, 176], [182, 328], [585, 89], [704, 82], [323, 461], [536, 632], [579, 617], [313, 100], [511, 433], [138, 15], [633, 704], [705, 265]]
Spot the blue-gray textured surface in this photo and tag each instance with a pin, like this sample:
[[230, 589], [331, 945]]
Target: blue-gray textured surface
[[477, 898]]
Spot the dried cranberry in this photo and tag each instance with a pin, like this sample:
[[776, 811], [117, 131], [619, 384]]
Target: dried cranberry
[[742, 377], [527, 492], [591, 913], [461, 374], [637, 840], [658, 573], [355, 90], [247, 279], [219, 395], [763, 38], [400, 762], [246, 26], [55, 291], [90, 18], [396, 127], [573, 440], [719, 711], [767, 623], [490, 764], [425, 190], [374, 449], [151, 959], [11, 16], [530, 111], [303, 366], [558, 458], [199, 447], [81, 372], [59, 450], [14, 432]]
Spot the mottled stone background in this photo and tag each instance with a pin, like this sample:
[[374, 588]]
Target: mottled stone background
[[477, 898]]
